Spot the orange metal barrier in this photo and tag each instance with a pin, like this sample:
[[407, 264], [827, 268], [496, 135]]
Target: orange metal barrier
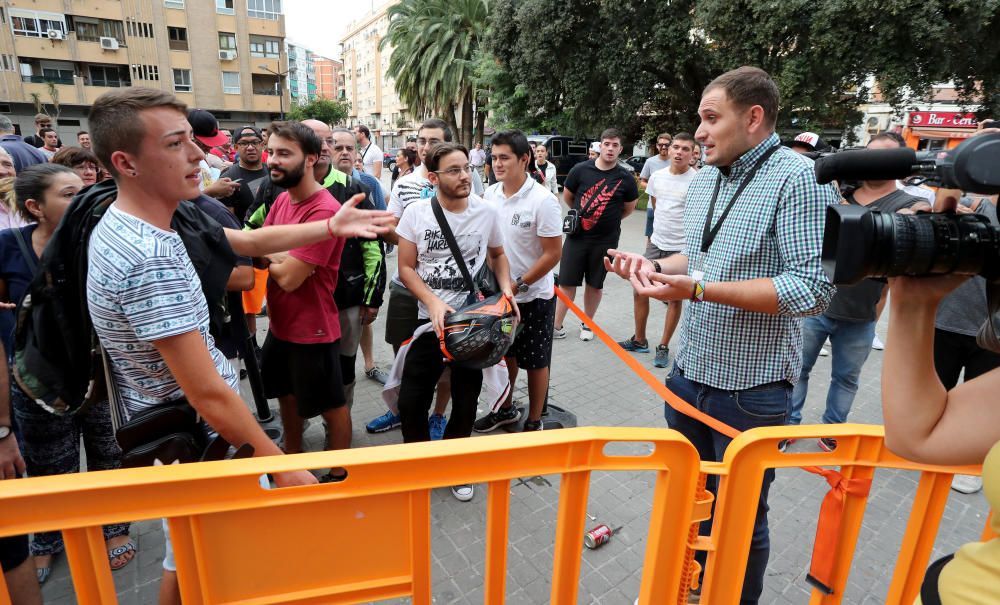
[[369, 537], [860, 450]]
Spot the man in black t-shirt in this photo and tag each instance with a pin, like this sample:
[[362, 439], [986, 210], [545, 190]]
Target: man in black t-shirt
[[849, 321], [602, 193], [250, 146]]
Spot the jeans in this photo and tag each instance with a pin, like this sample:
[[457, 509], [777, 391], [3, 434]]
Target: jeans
[[765, 405], [649, 221], [850, 344]]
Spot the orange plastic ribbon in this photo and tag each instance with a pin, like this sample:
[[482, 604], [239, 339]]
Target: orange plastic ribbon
[[831, 512]]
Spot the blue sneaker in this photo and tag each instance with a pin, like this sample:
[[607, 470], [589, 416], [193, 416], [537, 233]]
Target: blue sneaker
[[634, 345], [436, 424], [385, 422]]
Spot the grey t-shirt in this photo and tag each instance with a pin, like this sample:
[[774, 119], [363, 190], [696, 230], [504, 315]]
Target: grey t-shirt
[[857, 302], [652, 165], [964, 310]]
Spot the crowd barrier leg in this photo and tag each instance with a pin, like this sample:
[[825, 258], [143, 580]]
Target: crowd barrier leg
[[497, 509], [88, 558]]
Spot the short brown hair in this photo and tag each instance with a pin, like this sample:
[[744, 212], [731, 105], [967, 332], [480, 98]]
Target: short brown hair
[[116, 123], [664, 135], [684, 136], [611, 133], [42, 117], [432, 160], [72, 157], [748, 86], [303, 136]]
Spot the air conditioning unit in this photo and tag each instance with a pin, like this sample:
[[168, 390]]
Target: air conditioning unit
[[227, 55], [109, 43], [55, 34]]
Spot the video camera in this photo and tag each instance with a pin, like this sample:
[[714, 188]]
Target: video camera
[[858, 243]]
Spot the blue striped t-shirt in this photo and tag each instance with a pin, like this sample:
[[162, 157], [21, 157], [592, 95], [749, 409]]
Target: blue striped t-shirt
[[142, 287]]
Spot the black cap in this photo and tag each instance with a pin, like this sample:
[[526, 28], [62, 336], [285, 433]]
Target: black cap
[[206, 128]]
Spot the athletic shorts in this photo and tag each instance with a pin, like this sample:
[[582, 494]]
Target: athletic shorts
[[253, 300], [583, 260], [533, 346], [310, 372], [13, 552], [400, 315], [654, 253]]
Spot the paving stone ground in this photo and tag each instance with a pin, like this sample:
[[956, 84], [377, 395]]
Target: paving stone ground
[[601, 391]]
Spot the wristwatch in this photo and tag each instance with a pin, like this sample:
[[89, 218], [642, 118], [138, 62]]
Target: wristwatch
[[519, 286], [4, 432]]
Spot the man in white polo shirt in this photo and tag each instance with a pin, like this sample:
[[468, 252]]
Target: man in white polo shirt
[[667, 188], [531, 221]]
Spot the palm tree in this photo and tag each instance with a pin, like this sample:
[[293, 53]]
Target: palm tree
[[433, 59]]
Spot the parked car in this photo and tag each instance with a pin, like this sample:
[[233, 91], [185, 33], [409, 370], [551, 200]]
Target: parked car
[[565, 152], [636, 163], [389, 158]]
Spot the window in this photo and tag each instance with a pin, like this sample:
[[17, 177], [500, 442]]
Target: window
[[261, 46], [178, 38], [109, 75], [8, 63], [227, 41], [173, 3], [36, 24], [145, 72], [92, 30], [139, 29], [182, 80], [264, 9], [231, 82], [224, 7]]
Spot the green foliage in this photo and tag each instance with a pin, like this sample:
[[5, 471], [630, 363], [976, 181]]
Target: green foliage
[[331, 111], [581, 65]]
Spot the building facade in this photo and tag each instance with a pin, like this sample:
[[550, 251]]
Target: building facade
[[367, 85], [301, 74], [938, 122], [329, 78], [222, 55]]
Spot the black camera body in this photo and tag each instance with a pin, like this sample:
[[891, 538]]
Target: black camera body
[[858, 243]]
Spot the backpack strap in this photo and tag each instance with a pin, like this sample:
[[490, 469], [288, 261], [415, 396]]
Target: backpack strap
[[453, 245], [26, 251]]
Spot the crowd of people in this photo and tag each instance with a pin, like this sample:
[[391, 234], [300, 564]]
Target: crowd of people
[[733, 249]]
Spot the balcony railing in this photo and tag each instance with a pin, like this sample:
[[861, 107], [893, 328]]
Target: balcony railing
[[270, 93], [46, 80]]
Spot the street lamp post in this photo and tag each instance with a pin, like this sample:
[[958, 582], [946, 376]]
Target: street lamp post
[[281, 94]]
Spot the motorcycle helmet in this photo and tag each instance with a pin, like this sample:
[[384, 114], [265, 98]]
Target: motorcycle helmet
[[478, 335]]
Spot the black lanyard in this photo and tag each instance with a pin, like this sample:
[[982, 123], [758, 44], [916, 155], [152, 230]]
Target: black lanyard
[[709, 233]]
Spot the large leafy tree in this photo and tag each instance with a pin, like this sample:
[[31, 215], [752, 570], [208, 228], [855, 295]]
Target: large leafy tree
[[580, 65], [435, 45], [325, 110]]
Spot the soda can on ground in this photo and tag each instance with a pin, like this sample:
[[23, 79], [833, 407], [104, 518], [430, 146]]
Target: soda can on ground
[[597, 537]]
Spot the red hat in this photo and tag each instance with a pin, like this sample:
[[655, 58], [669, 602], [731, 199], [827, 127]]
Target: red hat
[[206, 128]]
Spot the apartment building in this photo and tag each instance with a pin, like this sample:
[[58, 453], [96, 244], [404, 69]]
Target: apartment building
[[367, 85], [329, 78], [301, 74], [226, 56]]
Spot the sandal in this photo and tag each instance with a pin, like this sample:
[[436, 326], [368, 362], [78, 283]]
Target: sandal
[[121, 551], [43, 574]]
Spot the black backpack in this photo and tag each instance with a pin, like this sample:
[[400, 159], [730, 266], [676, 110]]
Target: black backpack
[[57, 357]]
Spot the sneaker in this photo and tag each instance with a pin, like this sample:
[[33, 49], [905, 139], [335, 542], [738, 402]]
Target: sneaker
[[463, 493], [385, 422], [827, 444], [586, 333], [436, 424], [377, 374], [967, 484], [877, 343], [824, 352], [631, 344], [662, 358], [497, 419], [532, 425], [558, 333], [784, 443]]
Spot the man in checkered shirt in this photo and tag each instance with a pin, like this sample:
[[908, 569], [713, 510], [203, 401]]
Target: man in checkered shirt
[[753, 224]]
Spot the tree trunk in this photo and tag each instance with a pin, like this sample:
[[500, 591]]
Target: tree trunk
[[467, 118], [449, 117], [481, 124]]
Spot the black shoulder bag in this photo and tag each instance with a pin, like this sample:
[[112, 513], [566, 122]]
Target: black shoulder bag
[[485, 282]]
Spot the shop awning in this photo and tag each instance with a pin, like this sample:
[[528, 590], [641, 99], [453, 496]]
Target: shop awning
[[942, 133]]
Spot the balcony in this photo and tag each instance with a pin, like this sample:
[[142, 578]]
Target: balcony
[[269, 103], [47, 80], [42, 48], [67, 92], [91, 52]]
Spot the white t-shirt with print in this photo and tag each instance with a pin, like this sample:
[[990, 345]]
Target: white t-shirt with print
[[670, 191], [531, 213], [372, 155], [475, 230]]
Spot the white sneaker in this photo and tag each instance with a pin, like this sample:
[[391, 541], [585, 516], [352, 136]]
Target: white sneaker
[[558, 333], [586, 333], [967, 484], [877, 343], [463, 493], [824, 352]]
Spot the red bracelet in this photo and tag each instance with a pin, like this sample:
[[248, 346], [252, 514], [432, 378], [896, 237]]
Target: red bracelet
[[329, 229]]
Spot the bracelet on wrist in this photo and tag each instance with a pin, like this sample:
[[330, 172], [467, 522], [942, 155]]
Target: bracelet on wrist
[[698, 293], [329, 229], [656, 267]]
